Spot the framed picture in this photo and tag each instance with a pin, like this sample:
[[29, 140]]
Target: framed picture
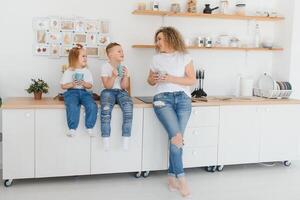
[[79, 38], [41, 50], [91, 26], [92, 51], [55, 51], [65, 50], [103, 40], [54, 38], [79, 25], [54, 24], [102, 53], [91, 38], [41, 37], [67, 38], [67, 25], [104, 26], [41, 23]]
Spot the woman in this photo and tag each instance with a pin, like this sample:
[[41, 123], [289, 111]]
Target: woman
[[172, 72]]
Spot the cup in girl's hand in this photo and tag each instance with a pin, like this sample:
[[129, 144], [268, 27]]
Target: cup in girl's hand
[[120, 70], [78, 76]]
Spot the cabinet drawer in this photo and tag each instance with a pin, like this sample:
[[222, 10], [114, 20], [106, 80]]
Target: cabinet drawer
[[204, 116], [200, 137], [198, 157]]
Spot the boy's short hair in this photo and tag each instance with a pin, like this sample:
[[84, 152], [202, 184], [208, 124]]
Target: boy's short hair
[[110, 46]]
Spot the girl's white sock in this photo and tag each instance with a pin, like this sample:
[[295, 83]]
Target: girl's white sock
[[106, 143]]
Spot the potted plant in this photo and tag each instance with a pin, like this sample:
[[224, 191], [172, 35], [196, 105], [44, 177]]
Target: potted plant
[[38, 87]]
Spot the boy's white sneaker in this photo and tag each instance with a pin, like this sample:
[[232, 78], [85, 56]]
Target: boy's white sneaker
[[71, 133], [91, 132], [106, 143], [126, 142]]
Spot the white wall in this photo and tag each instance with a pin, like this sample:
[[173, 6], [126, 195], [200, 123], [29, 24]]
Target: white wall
[[18, 65]]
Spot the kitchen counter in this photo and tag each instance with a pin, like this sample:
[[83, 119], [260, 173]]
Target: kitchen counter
[[47, 102]]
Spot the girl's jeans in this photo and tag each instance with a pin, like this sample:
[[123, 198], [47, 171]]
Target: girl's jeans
[[109, 97], [73, 99], [173, 109]]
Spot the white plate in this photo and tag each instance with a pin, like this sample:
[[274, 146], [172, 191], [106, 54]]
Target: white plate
[[265, 82]]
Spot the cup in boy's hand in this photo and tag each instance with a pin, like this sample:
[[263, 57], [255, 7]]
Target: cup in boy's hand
[[120, 70], [78, 76]]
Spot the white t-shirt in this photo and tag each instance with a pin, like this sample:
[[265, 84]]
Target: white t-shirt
[[173, 64], [68, 77], [106, 71]]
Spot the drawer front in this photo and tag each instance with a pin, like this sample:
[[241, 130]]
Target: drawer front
[[201, 137], [204, 116], [199, 157]]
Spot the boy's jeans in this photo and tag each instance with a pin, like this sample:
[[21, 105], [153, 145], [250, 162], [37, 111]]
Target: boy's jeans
[[73, 99], [109, 97], [173, 109]]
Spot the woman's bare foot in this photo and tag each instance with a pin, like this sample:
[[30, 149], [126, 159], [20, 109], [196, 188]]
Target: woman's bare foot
[[183, 187], [172, 183]]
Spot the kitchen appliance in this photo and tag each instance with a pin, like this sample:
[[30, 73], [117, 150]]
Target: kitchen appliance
[[246, 87]]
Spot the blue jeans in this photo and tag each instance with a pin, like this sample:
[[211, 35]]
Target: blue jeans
[[173, 109], [73, 99], [108, 98]]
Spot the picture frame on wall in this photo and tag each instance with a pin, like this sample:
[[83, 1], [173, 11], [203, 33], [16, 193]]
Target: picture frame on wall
[[104, 26], [102, 53], [80, 38], [67, 38], [40, 23], [92, 51], [91, 26], [103, 40], [67, 25], [41, 50], [54, 37], [55, 51], [79, 25], [41, 36], [92, 38], [54, 24], [65, 51]]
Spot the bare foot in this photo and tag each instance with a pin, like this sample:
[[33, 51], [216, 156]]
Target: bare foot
[[172, 183], [183, 187]]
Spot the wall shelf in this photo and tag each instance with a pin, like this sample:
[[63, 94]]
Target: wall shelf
[[142, 46], [200, 15]]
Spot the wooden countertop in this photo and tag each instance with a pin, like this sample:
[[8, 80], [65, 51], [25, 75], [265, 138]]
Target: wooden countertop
[[47, 102]]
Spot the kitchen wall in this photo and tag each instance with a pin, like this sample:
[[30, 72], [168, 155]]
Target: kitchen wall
[[18, 65]]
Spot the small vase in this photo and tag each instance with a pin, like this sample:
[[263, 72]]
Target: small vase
[[38, 95]]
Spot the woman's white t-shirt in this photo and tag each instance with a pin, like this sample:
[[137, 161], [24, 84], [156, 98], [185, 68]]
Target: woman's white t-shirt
[[69, 74], [173, 64], [106, 71]]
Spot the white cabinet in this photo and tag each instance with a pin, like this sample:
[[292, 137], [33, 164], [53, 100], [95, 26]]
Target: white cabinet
[[251, 134], [18, 143], [116, 160], [239, 138], [155, 143], [56, 153], [201, 137], [280, 127]]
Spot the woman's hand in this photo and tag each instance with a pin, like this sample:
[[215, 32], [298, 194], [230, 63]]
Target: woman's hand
[[153, 78]]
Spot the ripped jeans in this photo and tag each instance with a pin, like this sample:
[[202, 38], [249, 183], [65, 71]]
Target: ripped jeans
[[108, 98], [173, 109]]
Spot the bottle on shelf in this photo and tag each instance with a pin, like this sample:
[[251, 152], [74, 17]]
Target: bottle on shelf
[[257, 40]]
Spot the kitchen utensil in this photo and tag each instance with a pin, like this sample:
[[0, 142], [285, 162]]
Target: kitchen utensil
[[208, 10], [266, 82]]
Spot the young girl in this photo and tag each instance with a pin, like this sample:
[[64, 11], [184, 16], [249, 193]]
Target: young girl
[[172, 72], [76, 79], [115, 81]]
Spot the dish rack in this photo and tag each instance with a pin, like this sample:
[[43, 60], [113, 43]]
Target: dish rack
[[272, 94]]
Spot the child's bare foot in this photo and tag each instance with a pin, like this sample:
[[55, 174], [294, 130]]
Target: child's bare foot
[[172, 183], [183, 187]]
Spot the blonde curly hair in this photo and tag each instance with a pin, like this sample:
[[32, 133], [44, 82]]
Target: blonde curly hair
[[172, 37]]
